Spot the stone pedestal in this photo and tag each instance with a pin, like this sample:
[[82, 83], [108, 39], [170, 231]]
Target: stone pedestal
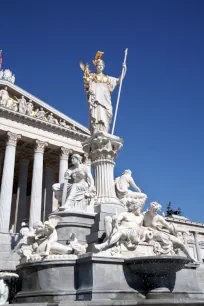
[[102, 149], [104, 278], [74, 222], [47, 281], [8, 258]]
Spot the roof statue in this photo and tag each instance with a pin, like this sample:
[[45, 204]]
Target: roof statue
[[99, 88]]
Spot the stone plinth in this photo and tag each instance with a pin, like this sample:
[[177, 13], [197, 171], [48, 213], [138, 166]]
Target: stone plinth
[[8, 258], [104, 278], [47, 281], [74, 222]]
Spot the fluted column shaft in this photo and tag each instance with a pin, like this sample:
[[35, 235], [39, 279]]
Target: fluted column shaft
[[36, 190], [48, 192], [63, 163], [7, 181], [197, 247], [104, 180], [21, 199]]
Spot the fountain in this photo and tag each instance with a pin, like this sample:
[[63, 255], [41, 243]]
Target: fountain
[[99, 246]]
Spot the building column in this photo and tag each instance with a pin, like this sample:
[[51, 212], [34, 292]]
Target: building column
[[21, 199], [197, 246], [63, 164], [36, 190], [47, 191], [7, 181], [1, 164]]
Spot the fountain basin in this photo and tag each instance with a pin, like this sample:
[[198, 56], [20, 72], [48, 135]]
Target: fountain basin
[[158, 273]]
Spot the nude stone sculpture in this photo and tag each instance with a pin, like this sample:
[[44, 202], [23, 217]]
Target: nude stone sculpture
[[122, 184]]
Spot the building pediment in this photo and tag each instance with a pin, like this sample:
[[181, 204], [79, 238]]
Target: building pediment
[[19, 102]]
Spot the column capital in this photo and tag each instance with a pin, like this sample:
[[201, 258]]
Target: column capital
[[40, 146], [12, 138], [65, 152]]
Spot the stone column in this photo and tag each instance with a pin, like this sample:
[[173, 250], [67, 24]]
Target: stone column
[[7, 181], [102, 149], [63, 163], [47, 191], [1, 164], [21, 199], [36, 190], [197, 246]]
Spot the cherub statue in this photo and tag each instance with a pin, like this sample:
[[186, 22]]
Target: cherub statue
[[43, 241], [79, 186], [99, 88], [122, 184], [164, 233]]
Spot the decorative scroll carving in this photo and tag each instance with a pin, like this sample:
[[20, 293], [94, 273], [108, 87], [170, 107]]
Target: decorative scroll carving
[[65, 152], [12, 138], [40, 146]]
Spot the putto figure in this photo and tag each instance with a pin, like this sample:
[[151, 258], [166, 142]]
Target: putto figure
[[78, 189], [99, 88], [126, 196]]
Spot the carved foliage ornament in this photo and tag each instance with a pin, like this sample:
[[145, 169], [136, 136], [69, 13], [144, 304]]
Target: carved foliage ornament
[[40, 146], [65, 152], [12, 138]]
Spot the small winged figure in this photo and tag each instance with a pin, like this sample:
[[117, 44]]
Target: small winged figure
[[85, 69]]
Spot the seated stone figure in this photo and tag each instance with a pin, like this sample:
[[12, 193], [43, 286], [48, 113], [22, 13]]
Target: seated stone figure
[[126, 228], [42, 240], [79, 189], [122, 185], [164, 234]]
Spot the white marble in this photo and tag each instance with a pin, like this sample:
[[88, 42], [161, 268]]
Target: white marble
[[21, 198], [78, 189], [63, 163], [124, 233], [102, 149], [127, 196], [99, 88], [7, 181], [41, 242], [36, 192]]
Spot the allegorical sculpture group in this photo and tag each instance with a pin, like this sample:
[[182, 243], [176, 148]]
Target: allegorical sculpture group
[[127, 231], [28, 108]]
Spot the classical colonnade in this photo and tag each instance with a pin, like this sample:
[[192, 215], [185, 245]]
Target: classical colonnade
[[7, 165]]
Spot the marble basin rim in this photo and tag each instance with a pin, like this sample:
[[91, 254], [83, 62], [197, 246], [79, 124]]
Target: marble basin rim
[[156, 265]]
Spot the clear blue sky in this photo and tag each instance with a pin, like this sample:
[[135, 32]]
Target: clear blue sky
[[162, 103]]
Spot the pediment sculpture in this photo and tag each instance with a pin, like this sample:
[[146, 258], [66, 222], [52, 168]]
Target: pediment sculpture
[[29, 108]]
